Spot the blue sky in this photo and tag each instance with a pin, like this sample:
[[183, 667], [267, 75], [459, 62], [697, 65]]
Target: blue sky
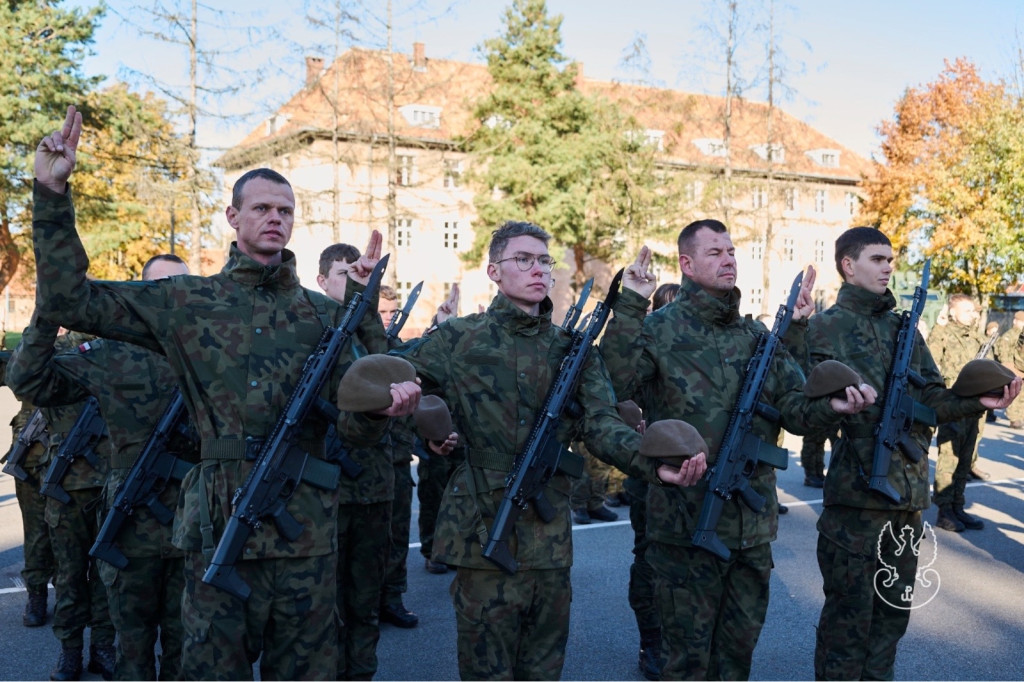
[[847, 62]]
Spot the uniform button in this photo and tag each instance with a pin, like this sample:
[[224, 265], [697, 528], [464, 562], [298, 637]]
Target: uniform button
[[254, 384], [455, 488], [248, 550], [522, 422], [259, 330], [522, 374]]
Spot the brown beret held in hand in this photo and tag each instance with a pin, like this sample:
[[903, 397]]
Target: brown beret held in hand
[[672, 441], [366, 386]]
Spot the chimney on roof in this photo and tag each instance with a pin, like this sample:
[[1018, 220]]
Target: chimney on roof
[[579, 74], [419, 58], [314, 65]]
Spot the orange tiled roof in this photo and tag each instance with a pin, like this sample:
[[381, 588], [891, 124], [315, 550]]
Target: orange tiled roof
[[452, 87]]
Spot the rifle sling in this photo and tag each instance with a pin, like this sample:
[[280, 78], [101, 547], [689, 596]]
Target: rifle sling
[[317, 472], [570, 463]]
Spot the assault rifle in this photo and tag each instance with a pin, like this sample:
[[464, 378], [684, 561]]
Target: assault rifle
[[34, 432], [281, 462], [539, 459], [573, 314], [900, 411], [741, 450], [149, 475], [984, 350], [402, 316], [81, 441]]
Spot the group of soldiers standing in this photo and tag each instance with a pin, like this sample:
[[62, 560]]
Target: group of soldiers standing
[[303, 586]]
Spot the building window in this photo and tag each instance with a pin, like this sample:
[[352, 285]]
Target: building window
[[403, 175], [756, 295], [710, 146], [819, 201], [787, 249], [775, 153], [450, 230], [421, 115], [403, 233], [852, 203], [790, 198], [828, 158], [452, 173], [819, 251], [403, 289], [757, 249], [759, 197]]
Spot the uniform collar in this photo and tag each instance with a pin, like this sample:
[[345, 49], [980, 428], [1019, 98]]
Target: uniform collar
[[861, 300], [516, 321], [245, 270], [718, 310]]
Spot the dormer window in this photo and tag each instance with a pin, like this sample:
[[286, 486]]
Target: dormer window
[[655, 138], [775, 152], [826, 158], [710, 146], [421, 115]]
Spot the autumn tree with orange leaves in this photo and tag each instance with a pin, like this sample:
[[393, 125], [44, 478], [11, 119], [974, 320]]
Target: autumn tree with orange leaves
[[951, 187]]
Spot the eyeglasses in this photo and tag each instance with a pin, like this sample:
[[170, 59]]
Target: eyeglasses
[[525, 261]]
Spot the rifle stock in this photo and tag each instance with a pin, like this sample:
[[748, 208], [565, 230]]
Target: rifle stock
[[34, 431], [281, 462], [741, 450], [539, 459], [81, 441]]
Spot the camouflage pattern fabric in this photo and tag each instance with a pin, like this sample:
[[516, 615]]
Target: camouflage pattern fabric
[[712, 610], [204, 325], [689, 359], [364, 539], [858, 632], [39, 561], [80, 597], [812, 452], [588, 490], [641, 575], [504, 631], [494, 369], [860, 330], [396, 577], [432, 473], [224, 637], [953, 345], [1004, 350]]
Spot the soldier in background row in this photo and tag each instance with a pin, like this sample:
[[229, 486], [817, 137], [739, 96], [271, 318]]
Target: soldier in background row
[[1005, 347]]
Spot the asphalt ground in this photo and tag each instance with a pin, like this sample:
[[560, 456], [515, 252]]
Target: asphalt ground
[[972, 628]]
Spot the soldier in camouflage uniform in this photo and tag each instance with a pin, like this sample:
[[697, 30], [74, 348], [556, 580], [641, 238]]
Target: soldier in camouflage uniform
[[494, 370], [689, 359], [39, 563], [396, 581], [364, 515], [134, 387], [588, 491], [858, 631], [236, 342], [1005, 347], [81, 600], [952, 346]]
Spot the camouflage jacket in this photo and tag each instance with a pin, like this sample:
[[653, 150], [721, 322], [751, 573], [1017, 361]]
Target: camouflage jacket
[[952, 346], [690, 358], [236, 343], [38, 345], [133, 386], [494, 370], [860, 330], [34, 456], [1006, 347]]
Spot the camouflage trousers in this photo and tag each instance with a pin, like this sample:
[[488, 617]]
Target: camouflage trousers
[[711, 610], [433, 475], [641, 575], [81, 600], [812, 452], [145, 605], [589, 489], [396, 577], [1015, 411], [289, 618], [364, 540], [958, 450], [511, 627], [858, 630], [39, 561]]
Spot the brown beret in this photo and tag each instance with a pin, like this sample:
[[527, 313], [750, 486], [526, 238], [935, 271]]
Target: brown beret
[[672, 441], [982, 377], [366, 385], [630, 413], [830, 377], [433, 420]]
